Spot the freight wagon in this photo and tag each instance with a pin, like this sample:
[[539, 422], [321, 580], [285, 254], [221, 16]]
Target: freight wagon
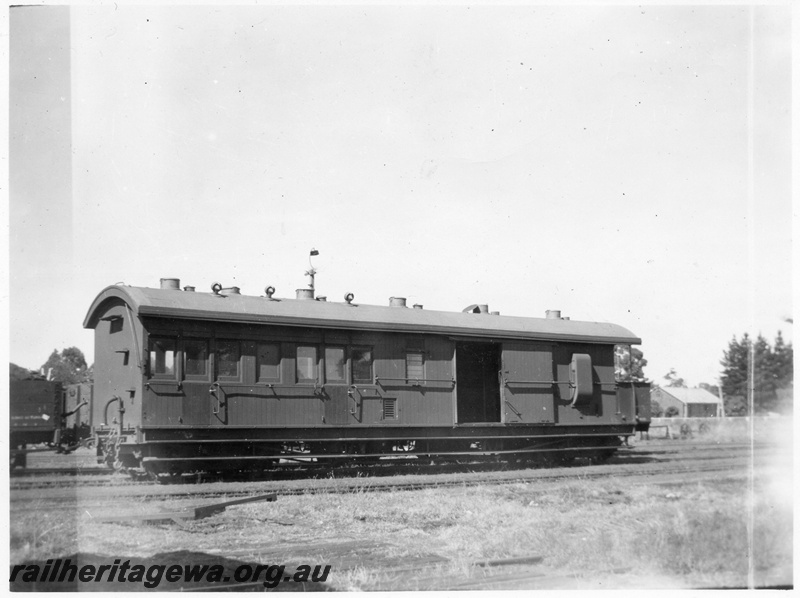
[[49, 416], [212, 381], [35, 408]]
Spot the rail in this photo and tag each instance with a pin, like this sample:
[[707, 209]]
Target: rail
[[414, 381], [155, 385], [550, 382], [479, 473]]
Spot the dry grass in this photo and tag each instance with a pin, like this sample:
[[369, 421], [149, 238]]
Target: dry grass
[[691, 535]]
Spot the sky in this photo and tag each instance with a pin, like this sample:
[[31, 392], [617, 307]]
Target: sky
[[626, 164]]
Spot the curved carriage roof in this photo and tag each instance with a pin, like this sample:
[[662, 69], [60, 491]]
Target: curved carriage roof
[[170, 303]]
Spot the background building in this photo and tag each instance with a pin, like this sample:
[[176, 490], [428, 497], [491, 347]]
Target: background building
[[690, 402]]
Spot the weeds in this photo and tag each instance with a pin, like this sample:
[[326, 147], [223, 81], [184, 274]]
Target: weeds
[[697, 534]]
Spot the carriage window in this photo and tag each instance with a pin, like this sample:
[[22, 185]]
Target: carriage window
[[269, 362], [415, 365], [362, 365], [228, 354], [162, 357], [195, 355], [306, 364], [335, 364]]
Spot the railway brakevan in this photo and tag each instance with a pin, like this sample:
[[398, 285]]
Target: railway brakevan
[[190, 381]]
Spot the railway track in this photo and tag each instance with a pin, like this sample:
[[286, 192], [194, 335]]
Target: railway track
[[49, 477], [675, 468], [39, 472]]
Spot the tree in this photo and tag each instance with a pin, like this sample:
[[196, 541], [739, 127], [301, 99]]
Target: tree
[[19, 373], [712, 388], [735, 405], [655, 408], [783, 373], [638, 362], [674, 380], [772, 374], [67, 367], [782, 363], [735, 375]]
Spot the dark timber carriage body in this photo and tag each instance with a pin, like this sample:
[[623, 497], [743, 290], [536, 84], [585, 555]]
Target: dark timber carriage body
[[191, 381]]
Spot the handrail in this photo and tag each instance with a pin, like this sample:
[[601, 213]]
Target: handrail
[[139, 360], [507, 382], [414, 381], [361, 390], [105, 409], [155, 381]]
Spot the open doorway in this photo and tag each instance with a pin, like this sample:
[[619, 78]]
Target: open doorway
[[478, 383]]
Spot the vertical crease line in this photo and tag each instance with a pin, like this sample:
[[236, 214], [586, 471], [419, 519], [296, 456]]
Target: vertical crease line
[[751, 293]]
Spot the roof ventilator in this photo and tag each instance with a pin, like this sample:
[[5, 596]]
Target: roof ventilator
[[476, 308], [172, 284], [397, 301]]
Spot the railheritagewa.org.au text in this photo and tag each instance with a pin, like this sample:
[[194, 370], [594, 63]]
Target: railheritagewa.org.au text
[[59, 571]]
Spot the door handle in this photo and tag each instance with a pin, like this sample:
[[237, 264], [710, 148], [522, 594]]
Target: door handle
[[213, 390], [351, 395]]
